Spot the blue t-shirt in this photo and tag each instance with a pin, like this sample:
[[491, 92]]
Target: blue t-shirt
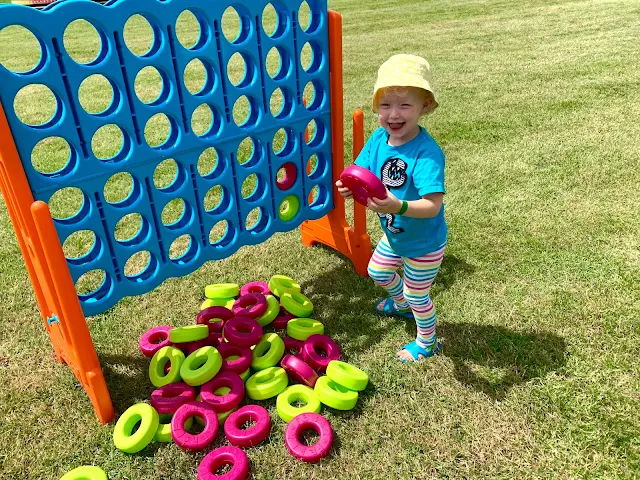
[[409, 172]]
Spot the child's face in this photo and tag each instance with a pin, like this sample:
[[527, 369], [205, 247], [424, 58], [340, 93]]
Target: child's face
[[399, 110]]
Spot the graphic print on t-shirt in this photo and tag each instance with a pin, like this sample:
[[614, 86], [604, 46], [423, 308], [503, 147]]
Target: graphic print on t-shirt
[[394, 175]]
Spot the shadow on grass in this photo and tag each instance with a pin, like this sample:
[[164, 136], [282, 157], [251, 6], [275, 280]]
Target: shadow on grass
[[344, 301], [127, 380], [492, 359]]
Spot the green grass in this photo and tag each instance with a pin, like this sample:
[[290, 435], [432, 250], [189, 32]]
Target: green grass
[[537, 298]]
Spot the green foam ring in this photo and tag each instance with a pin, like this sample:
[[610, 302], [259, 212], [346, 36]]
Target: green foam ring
[[222, 290], [273, 308], [290, 210], [278, 284], [245, 375], [347, 375], [296, 304], [190, 333], [268, 352], [334, 395], [163, 434], [123, 437], [201, 366], [284, 403], [266, 383], [218, 302], [156, 367], [87, 472], [303, 328]]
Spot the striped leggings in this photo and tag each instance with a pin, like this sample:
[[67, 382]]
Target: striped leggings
[[413, 291]]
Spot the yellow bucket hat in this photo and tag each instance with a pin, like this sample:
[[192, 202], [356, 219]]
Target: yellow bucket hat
[[403, 70]]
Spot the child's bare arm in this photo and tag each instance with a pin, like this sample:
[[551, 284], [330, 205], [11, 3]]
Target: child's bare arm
[[428, 206]]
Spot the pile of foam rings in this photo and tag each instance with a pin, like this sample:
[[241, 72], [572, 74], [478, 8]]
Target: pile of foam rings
[[204, 372]]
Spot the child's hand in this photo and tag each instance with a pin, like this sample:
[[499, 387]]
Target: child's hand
[[391, 204], [344, 191]]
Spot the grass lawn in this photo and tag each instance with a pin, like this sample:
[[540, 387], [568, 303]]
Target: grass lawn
[[538, 300]]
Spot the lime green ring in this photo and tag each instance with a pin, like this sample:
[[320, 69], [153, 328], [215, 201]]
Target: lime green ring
[[190, 333], [278, 284], [291, 210], [85, 473], [287, 411], [201, 366], [268, 352], [163, 434], [296, 304], [222, 290], [303, 328], [267, 383], [273, 308], [334, 395], [347, 375], [149, 420], [218, 302], [245, 375], [158, 362]]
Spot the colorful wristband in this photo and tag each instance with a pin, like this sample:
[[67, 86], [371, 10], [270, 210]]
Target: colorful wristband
[[403, 209]]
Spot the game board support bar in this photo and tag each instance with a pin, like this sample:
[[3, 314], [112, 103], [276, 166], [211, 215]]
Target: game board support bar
[[332, 229]]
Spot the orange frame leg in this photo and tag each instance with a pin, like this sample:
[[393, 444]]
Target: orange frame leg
[[332, 229], [47, 266]]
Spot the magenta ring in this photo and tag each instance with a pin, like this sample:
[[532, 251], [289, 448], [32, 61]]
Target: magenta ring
[[290, 174], [193, 346], [253, 435], [169, 398], [280, 323], [250, 305], [206, 315], [241, 364], [255, 287], [293, 346], [224, 456], [149, 340], [299, 371], [223, 403], [242, 331], [363, 184], [214, 339], [187, 440], [323, 343], [302, 423]]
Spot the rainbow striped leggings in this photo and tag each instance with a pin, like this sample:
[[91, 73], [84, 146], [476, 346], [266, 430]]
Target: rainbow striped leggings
[[413, 291]]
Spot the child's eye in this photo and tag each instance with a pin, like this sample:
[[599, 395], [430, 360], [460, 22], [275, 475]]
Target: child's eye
[[384, 105]]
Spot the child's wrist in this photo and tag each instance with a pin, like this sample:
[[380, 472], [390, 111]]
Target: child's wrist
[[404, 206]]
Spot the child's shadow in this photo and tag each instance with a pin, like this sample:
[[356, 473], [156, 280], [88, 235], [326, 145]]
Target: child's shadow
[[492, 359], [127, 379]]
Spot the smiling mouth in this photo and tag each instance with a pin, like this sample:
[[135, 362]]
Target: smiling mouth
[[396, 126]]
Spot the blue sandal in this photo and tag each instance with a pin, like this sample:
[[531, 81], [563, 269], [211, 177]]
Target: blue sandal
[[415, 350], [389, 308]]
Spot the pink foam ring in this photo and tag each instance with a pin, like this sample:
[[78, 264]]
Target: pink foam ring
[[193, 346], [169, 398], [187, 440], [223, 403], [250, 305], [214, 339], [280, 323], [290, 174], [299, 425], [239, 365], [363, 184], [154, 339], [206, 315], [319, 343], [292, 345], [242, 331], [299, 371], [224, 456], [252, 435], [255, 287]]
